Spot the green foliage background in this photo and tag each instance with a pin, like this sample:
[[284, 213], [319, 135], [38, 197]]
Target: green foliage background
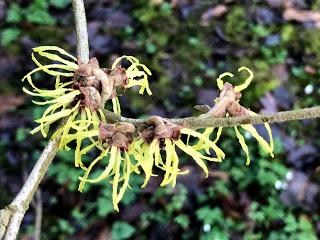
[[185, 56]]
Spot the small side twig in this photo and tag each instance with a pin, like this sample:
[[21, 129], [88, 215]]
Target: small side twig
[[36, 204], [17, 208], [38, 210]]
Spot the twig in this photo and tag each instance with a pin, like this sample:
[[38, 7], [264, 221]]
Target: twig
[[206, 120], [21, 202], [12, 215], [81, 30], [39, 210], [36, 204]]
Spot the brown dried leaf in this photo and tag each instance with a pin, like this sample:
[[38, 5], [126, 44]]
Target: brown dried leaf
[[236, 110], [9, 102], [302, 16], [310, 70], [106, 131], [92, 98], [214, 12], [125, 127]]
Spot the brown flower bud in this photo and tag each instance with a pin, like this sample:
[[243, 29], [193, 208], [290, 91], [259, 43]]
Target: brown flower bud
[[119, 77], [91, 98], [121, 140], [235, 110], [119, 135], [125, 127], [160, 129], [148, 135], [106, 131]]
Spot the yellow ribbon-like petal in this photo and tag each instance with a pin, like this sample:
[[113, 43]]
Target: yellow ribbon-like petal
[[246, 83], [53, 48], [243, 144], [220, 82]]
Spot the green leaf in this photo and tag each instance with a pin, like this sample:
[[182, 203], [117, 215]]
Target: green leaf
[[21, 134], [183, 220], [151, 48], [9, 35], [291, 223], [104, 205], [60, 3], [210, 215], [65, 226], [14, 14], [122, 230], [38, 13]]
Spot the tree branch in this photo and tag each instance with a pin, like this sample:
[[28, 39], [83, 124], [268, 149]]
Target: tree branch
[[81, 30], [207, 120], [12, 215], [39, 210]]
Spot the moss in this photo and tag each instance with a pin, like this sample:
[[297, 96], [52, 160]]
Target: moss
[[315, 5], [236, 24], [263, 82], [310, 39], [288, 33]]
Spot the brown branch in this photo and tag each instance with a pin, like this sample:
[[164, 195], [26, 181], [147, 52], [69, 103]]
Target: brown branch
[[12, 215], [207, 120], [81, 30], [38, 220]]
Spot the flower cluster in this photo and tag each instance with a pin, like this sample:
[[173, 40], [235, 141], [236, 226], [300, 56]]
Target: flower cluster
[[81, 99], [128, 152], [123, 148], [227, 104], [160, 134]]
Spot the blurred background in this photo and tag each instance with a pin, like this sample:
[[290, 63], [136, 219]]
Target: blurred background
[[186, 44]]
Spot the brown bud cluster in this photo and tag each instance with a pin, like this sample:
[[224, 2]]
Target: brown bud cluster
[[97, 85], [118, 76], [157, 127], [119, 134], [228, 102]]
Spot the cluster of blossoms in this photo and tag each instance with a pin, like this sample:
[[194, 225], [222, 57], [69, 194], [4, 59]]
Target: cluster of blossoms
[[124, 148], [227, 104]]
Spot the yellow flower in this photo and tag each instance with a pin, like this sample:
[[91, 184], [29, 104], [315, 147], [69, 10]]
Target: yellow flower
[[166, 136], [137, 74], [238, 109], [114, 143], [66, 100], [116, 160]]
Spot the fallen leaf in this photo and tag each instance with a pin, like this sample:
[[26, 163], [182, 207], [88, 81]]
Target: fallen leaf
[[310, 70], [104, 234], [280, 71], [292, 14], [214, 12], [9, 102]]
